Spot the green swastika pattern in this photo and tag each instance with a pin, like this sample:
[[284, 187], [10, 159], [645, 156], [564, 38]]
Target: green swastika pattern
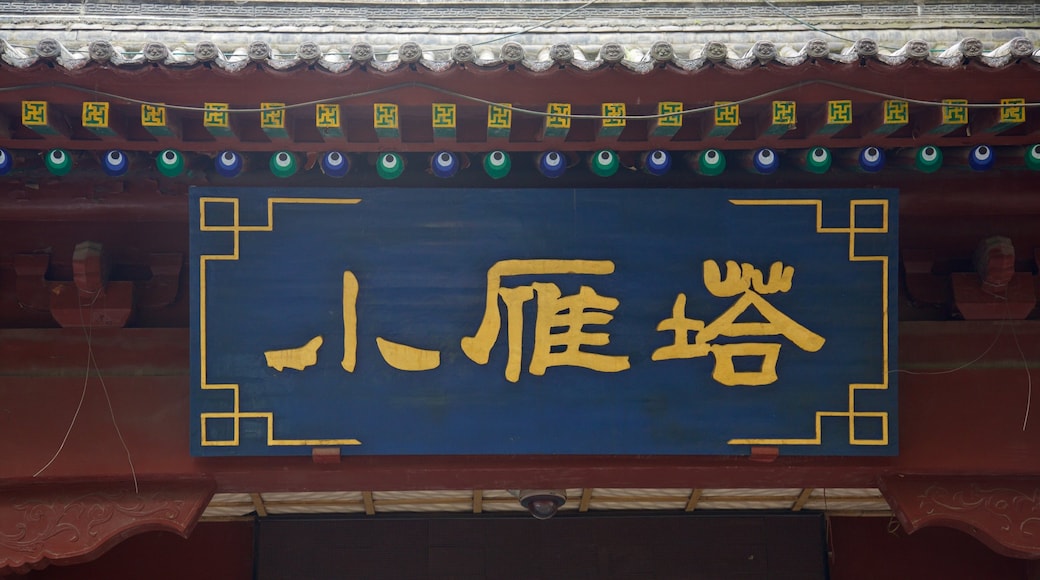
[[216, 115], [272, 116], [614, 114], [784, 113], [839, 112], [554, 120], [1012, 114], [385, 116], [327, 116], [444, 115], [953, 114], [897, 112], [153, 115], [95, 114], [670, 120], [727, 115], [34, 112], [499, 117]]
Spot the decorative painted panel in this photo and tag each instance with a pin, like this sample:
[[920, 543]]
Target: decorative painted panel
[[549, 321]]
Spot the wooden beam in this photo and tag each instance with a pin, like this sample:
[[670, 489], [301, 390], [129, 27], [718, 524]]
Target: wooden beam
[[159, 121], [444, 120], [44, 119], [386, 120], [100, 118], [329, 120], [478, 501], [217, 120], [258, 504], [889, 117], [370, 506], [691, 502], [613, 122], [147, 377], [499, 121], [274, 120], [670, 125], [586, 498], [724, 119], [802, 499], [557, 123], [783, 117], [836, 117]]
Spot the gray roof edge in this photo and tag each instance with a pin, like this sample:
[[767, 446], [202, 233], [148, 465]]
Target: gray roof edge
[[640, 57]]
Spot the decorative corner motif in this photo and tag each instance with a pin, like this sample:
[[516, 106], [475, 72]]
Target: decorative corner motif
[[45, 524], [235, 228], [852, 414]]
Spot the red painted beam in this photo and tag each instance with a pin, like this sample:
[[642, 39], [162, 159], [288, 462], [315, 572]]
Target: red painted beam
[[413, 90], [952, 421]]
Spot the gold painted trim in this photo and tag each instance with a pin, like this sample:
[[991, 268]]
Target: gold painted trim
[[236, 228], [851, 413]]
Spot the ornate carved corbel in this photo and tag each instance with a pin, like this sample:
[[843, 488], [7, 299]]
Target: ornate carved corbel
[[1001, 512], [53, 523], [91, 298]]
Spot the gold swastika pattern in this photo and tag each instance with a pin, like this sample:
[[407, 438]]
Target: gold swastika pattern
[[554, 120], [34, 113], [95, 114], [216, 115], [272, 115], [444, 115], [726, 114], [1010, 113], [385, 116], [952, 114], [669, 107], [897, 112], [500, 117], [327, 116], [839, 112], [614, 114], [784, 113], [153, 116]]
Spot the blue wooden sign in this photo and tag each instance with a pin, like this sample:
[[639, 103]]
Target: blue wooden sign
[[543, 321]]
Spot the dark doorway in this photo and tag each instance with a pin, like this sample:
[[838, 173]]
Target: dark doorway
[[760, 546]]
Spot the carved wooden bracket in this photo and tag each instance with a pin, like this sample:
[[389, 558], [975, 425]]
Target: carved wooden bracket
[[994, 291], [1001, 512], [52, 523], [91, 299]]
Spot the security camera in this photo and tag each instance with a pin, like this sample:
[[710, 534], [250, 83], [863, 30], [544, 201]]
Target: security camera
[[542, 503]]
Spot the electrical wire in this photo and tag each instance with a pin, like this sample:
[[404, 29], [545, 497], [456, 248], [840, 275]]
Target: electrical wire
[[1029, 379], [92, 364], [996, 337], [75, 416], [1006, 321], [536, 26]]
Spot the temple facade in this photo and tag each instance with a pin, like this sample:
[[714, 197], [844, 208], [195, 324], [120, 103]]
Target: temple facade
[[587, 131]]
